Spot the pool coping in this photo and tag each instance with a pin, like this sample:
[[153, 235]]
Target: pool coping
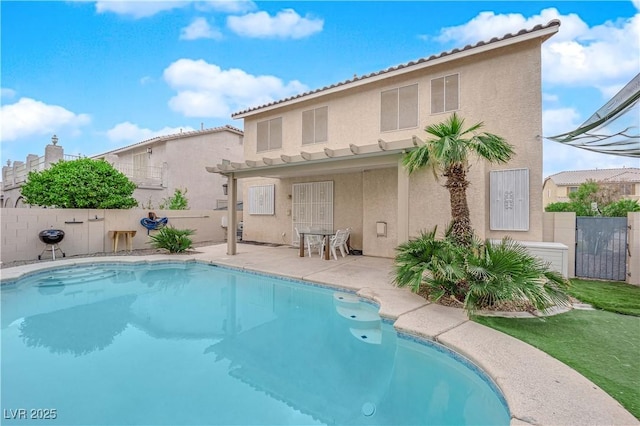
[[538, 389]]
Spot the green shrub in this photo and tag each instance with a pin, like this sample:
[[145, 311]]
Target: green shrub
[[172, 239], [620, 208], [178, 201], [79, 184], [481, 276]]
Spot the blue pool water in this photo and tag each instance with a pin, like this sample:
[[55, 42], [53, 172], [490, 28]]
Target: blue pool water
[[195, 344]]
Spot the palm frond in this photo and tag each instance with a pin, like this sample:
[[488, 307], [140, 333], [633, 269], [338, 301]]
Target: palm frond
[[491, 147]]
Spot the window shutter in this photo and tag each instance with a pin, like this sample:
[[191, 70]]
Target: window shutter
[[451, 92], [408, 107], [308, 127], [437, 95], [321, 124], [275, 133], [263, 136]]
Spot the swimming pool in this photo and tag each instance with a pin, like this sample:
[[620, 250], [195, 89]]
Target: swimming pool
[[191, 343]]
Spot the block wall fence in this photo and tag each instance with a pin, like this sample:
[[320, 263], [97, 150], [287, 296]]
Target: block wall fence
[[87, 231]]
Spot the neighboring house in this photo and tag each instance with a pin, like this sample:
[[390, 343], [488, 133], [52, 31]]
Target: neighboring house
[[157, 166], [625, 182], [160, 165], [14, 175], [331, 157]]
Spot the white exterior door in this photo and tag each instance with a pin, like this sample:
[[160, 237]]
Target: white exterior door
[[312, 207]]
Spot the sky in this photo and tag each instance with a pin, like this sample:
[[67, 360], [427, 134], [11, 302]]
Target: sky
[[102, 75]]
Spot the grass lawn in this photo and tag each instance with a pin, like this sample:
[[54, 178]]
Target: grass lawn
[[603, 346], [611, 296]]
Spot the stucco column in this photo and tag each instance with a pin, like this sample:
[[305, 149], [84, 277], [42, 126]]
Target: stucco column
[[232, 190], [52, 154], [403, 203]]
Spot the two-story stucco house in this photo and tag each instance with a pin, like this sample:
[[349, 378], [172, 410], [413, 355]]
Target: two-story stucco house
[[160, 165], [624, 182], [332, 157]]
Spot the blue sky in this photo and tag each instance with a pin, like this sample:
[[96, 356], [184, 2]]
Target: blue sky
[[106, 74]]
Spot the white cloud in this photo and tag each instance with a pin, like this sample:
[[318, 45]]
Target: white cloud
[[286, 24], [146, 80], [200, 28], [604, 56], [227, 6], [559, 157], [6, 93], [146, 8], [29, 117], [128, 132], [138, 9], [206, 90], [561, 120], [549, 97]]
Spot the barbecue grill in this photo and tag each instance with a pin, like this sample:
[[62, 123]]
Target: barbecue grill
[[51, 237]]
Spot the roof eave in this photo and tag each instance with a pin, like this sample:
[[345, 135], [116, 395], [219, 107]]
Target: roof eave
[[543, 33]]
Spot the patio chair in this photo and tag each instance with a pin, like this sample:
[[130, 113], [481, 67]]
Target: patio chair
[[314, 242], [339, 241], [346, 240]]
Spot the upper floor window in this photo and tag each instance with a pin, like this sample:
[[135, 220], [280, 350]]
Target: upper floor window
[[627, 189], [445, 93], [140, 165], [315, 125], [399, 108], [270, 134]]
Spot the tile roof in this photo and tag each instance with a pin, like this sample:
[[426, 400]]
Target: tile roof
[[174, 136], [577, 177], [539, 27]]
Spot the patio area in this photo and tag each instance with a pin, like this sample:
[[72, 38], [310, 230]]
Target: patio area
[[539, 389]]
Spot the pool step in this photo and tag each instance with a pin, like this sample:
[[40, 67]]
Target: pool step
[[373, 336], [359, 317], [75, 276], [345, 299]]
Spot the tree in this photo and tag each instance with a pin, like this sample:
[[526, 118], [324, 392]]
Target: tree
[[79, 184], [605, 195], [448, 153]]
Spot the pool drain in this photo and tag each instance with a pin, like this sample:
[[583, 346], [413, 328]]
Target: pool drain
[[368, 409]]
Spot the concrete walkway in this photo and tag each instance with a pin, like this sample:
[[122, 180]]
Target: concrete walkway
[[539, 389]]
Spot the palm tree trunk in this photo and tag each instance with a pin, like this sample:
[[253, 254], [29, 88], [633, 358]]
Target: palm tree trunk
[[457, 185]]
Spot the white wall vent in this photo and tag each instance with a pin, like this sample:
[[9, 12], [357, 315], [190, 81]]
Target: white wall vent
[[262, 199], [509, 200]]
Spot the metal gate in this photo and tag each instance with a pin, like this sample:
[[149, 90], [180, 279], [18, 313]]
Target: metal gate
[[601, 247]]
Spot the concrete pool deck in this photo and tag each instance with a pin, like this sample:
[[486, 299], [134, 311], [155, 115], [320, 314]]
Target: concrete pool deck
[[539, 389]]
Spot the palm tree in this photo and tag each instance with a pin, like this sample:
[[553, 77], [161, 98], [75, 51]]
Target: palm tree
[[448, 152]]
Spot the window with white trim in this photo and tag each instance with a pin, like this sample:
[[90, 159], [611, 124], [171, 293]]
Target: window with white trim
[[445, 93], [399, 108], [269, 135], [315, 123]]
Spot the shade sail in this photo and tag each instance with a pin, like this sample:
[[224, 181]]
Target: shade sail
[[614, 128]]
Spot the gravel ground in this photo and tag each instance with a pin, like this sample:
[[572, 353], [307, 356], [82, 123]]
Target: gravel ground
[[139, 252]]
